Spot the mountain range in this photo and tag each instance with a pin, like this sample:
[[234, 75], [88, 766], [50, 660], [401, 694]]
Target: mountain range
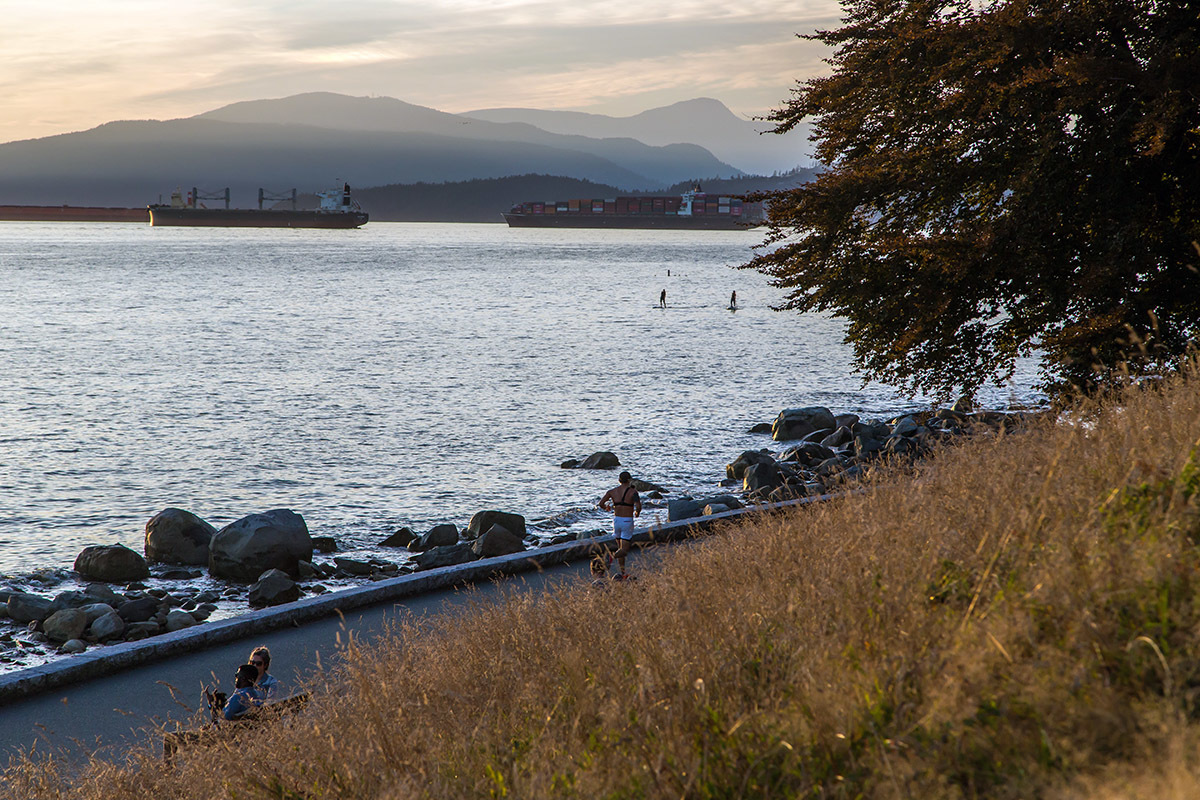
[[311, 140]]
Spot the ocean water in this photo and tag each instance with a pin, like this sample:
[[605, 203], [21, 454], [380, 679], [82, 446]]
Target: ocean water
[[402, 374]]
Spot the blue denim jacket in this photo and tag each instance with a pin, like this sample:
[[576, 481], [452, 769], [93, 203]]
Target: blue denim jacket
[[242, 701]]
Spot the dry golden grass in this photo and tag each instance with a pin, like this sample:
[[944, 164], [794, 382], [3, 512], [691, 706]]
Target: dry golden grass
[[1015, 617]]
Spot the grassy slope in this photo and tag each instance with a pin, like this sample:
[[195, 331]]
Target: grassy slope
[[1016, 619]]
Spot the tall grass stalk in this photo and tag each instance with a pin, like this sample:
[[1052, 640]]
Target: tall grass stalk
[[1014, 617]]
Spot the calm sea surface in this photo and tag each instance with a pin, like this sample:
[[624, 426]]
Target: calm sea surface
[[403, 374]]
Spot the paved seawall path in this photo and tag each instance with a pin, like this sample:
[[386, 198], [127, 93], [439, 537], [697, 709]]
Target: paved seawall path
[[107, 700]]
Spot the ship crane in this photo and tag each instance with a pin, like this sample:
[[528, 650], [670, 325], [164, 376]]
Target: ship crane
[[197, 196], [276, 197]]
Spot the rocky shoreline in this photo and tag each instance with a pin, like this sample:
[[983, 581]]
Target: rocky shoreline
[[190, 571]]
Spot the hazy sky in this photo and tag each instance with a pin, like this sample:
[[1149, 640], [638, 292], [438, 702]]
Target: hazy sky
[[69, 65]]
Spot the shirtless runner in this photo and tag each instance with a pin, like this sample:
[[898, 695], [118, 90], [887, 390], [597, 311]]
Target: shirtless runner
[[625, 505]]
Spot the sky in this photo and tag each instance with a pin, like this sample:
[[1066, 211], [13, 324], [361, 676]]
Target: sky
[[73, 64]]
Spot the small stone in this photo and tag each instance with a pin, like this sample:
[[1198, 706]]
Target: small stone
[[325, 544], [73, 646]]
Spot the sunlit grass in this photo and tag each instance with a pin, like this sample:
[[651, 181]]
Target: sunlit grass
[[1014, 617]]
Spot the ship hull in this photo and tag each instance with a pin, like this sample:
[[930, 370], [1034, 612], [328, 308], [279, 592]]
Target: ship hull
[[253, 218], [72, 214], [647, 221]]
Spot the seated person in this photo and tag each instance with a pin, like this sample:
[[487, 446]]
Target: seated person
[[268, 685], [246, 696]]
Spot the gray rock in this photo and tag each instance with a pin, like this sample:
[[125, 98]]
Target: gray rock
[[905, 426], [839, 438], [963, 405], [309, 571], [437, 536], [178, 574], [601, 460], [403, 537], [274, 588], [683, 508], [177, 620], [647, 486], [139, 609], [71, 599], [97, 610], [484, 520], [73, 647], [69, 623], [276, 539], [760, 427], [109, 626], [846, 420], [175, 536], [140, 630], [350, 565], [736, 469], [113, 563], [498, 541], [103, 593], [25, 608], [864, 446], [570, 463], [796, 423], [759, 476], [806, 454], [444, 556]]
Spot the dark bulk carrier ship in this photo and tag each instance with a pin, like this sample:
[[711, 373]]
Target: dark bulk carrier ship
[[335, 210], [693, 209]]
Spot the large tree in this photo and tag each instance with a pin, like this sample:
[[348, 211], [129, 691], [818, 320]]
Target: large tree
[[1003, 178]]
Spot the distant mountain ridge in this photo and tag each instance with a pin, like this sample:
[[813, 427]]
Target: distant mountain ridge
[[703, 121], [309, 141]]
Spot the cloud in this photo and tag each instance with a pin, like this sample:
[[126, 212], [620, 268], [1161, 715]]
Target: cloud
[[75, 64]]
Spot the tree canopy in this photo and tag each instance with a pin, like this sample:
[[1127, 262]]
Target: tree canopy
[[1002, 178]]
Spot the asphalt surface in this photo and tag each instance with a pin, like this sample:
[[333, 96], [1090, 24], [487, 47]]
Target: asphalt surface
[[107, 716]]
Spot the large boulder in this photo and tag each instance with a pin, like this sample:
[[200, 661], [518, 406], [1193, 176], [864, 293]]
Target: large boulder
[[64, 625], [498, 541], [244, 550], [437, 536], [601, 460], [759, 476], [483, 521], [736, 469], [274, 588], [175, 536], [25, 608], [796, 423], [112, 563]]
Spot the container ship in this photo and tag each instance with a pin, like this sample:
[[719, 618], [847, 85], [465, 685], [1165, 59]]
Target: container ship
[[335, 210], [691, 210]]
